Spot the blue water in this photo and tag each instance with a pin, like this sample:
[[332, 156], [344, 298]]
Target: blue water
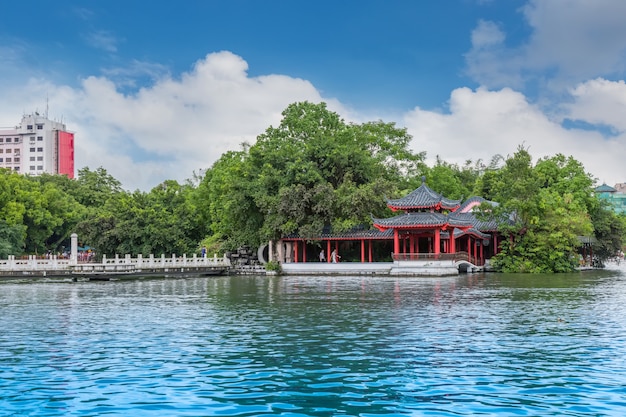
[[494, 344]]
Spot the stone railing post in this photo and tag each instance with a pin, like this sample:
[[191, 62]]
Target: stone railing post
[[73, 249]]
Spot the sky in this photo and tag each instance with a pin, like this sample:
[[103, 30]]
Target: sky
[[160, 90]]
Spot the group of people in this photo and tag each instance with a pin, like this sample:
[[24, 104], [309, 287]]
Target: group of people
[[334, 257]]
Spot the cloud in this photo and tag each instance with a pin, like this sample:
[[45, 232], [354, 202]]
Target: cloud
[[484, 123], [570, 41], [600, 101], [180, 124], [103, 40], [174, 126]]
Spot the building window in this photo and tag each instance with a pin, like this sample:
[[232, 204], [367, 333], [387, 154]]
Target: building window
[[40, 158], [39, 167], [16, 159], [1, 140], [16, 168], [8, 140], [40, 138], [1, 150], [32, 149], [29, 127], [1, 160], [32, 167], [32, 158], [8, 159], [39, 149], [9, 150], [39, 126]]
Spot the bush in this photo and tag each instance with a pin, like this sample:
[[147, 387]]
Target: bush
[[272, 266]]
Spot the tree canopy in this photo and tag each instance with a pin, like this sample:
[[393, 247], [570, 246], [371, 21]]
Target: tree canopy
[[312, 172]]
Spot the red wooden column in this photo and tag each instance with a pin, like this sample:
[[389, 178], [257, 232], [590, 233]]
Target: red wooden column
[[469, 247], [370, 249], [362, 250], [396, 242], [482, 254], [437, 242], [452, 242], [495, 243], [304, 251], [295, 251], [328, 251]]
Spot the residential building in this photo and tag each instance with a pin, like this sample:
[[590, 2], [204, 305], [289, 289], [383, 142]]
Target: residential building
[[37, 145]]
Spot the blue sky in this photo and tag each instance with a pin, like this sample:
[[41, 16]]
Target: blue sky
[[157, 91]]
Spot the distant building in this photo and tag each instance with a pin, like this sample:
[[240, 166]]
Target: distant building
[[37, 145], [616, 196]]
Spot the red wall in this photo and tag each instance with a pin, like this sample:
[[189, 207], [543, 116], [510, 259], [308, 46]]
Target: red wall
[[66, 154]]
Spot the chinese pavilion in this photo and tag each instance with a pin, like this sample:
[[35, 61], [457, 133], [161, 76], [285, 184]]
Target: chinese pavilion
[[428, 226]]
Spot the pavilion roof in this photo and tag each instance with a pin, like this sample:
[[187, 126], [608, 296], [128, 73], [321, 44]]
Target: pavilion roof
[[469, 204], [604, 188], [421, 220], [358, 232], [487, 225], [423, 197], [460, 232]]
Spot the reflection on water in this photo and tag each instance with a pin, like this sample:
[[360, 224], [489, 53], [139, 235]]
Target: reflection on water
[[490, 344]]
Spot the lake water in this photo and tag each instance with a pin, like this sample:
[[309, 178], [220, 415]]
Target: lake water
[[494, 344]]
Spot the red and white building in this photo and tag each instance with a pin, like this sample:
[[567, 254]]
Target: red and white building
[[37, 145]]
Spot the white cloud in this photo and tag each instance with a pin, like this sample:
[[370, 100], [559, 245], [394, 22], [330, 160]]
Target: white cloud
[[484, 123], [487, 34], [171, 128], [570, 41], [178, 125], [102, 39], [600, 101]]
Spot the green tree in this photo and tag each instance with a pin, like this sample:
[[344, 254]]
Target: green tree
[[543, 210], [312, 171]]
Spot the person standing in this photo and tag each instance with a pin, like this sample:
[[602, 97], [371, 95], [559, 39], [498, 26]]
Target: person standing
[[334, 258], [203, 251], [322, 256]]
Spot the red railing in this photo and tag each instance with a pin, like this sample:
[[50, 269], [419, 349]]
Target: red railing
[[458, 256]]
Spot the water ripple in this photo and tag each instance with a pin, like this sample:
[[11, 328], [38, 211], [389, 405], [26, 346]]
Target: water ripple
[[253, 346]]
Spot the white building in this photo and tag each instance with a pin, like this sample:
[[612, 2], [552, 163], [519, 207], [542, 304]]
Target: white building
[[37, 145]]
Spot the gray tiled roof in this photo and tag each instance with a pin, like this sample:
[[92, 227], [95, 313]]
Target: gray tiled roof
[[356, 233], [423, 197], [489, 225], [605, 189], [460, 232], [422, 219]]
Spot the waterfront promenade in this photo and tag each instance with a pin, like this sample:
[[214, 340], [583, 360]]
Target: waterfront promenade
[[115, 266]]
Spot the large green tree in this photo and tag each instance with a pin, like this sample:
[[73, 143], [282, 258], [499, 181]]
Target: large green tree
[[543, 208], [36, 213], [311, 171], [162, 221]]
